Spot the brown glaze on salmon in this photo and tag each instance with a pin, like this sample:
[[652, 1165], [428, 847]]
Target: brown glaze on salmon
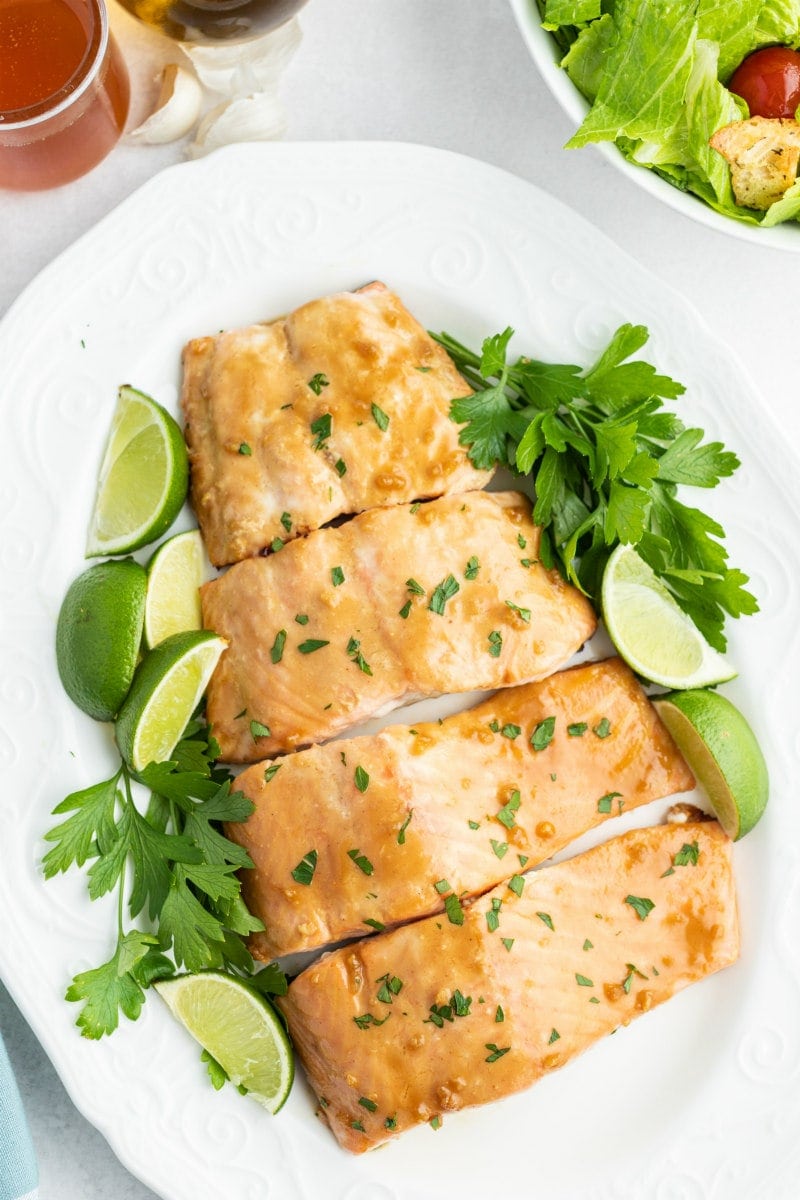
[[471, 800], [392, 1031], [341, 406], [351, 622]]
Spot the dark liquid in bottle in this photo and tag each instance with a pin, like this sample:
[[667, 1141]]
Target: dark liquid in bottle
[[216, 20]]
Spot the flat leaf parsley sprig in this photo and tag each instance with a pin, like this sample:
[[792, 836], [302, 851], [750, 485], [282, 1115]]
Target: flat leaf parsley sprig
[[606, 460], [176, 867]]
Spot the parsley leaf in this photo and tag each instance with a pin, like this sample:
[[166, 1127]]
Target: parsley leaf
[[606, 459]]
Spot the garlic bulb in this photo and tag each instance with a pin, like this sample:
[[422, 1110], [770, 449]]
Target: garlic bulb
[[256, 118]]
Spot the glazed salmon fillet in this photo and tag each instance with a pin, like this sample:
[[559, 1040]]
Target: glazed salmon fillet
[[391, 1030], [398, 603], [472, 800], [341, 406]]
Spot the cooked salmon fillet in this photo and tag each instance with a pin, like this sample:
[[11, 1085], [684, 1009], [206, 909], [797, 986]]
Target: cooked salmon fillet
[[412, 1025], [398, 603], [341, 406], [389, 816]]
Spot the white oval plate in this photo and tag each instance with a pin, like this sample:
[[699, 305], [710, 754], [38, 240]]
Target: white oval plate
[[545, 54], [699, 1099]]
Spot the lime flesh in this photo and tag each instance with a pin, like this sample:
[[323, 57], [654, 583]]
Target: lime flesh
[[143, 477], [167, 687], [722, 751], [651, 632], [238, 1028], [174, 575]]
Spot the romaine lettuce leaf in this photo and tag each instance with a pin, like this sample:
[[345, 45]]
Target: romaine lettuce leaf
[[585, 60], [731, 23], [647, 69], [778, 23], [570, 12]]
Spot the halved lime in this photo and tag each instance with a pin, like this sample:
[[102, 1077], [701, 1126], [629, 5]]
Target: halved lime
[[174, 575], [167, 687], [651, 632], [143, 478], [722, 751], [238, 1028], [98, 636]]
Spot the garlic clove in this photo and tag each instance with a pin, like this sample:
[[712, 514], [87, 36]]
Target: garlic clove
[[259, 118], [177, 107]]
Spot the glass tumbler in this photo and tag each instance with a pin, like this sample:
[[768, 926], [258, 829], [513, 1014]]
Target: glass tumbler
[[64, 91]]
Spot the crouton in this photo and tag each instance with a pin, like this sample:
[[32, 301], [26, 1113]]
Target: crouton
[[763, 153]]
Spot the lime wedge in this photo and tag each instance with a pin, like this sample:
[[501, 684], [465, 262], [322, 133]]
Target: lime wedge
[[174, 575], [167, 687], [651, 632], [143, 478], [98, 635], [722, 751], [238, 1028]]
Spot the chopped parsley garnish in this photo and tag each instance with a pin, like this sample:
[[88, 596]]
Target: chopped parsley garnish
[[337, 576], [361, 861], [496, 1052], [276, 653], [354, 652], [370, 1105], [405, 610], [415, 588], [554, 1037], [628, 980], [516, 883], [378, 926], [548, 920], [494, 725], [511, 731], [500, 848], [367, 1019], [435, 1123], [521, 541], [443, 592], [357, 1125], [493, 916], [582, 981], [523, 858], [460, 1003], [317, 383], [604, 803], [524, 614], [472, 568], [499, 1015], [495, 643], [304, 871], [302, 618], [401, 833], [603, 728], [391, 986], [506, 814], [474, 824], [321, 428], [271, 772], [245, 449], [340, 466], [442, 886], [380, 418], [688, 854], [457, 1006], [587, 945], [508, 943], [390, 1123], [605, 458], [312, 644], [361, 779], [452, 906], [257, 730], [276, 544], [286, 521], [577, 729], [543, 733], [641, 906]]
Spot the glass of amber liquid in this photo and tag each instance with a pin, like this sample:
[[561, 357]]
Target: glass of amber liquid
[[64, 91]]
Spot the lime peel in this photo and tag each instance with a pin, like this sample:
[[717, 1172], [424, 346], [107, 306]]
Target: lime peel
[[651, 632], [722, 751], [238, 1028]]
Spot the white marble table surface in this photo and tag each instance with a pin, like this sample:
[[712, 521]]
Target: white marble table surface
[[453, 74]]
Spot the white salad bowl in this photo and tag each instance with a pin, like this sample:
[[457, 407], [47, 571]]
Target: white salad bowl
[[545, 54]]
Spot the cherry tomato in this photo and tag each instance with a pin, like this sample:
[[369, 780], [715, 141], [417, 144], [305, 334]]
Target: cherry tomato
[[769, 80]]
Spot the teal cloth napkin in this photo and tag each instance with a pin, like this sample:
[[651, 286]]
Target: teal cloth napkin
[[19, 1177]]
